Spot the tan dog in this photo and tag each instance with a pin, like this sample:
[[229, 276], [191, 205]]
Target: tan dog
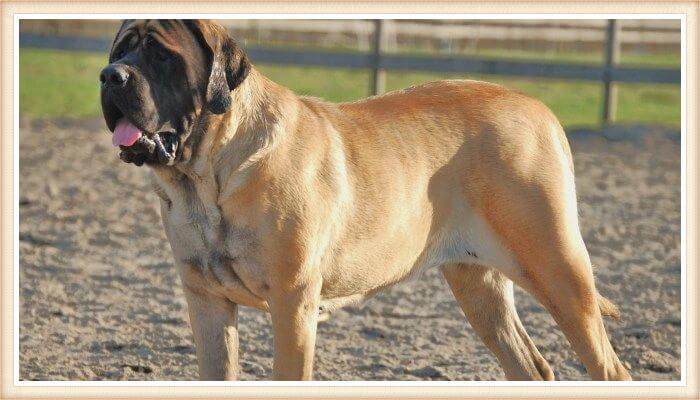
[[297, 207]]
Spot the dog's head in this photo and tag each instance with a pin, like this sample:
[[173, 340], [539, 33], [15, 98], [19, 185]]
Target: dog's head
[[162, 76]]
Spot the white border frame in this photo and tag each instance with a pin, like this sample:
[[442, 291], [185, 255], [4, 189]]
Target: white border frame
[[233, 16]]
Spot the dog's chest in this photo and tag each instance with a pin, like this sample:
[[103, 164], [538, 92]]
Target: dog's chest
[[209, 250]]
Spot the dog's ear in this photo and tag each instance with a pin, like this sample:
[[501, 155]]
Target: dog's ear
[[228, 67]]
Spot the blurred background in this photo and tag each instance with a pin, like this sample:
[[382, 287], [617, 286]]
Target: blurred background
[[100, 298], [312, 58]]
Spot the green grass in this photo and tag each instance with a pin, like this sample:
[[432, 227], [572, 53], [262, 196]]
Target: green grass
[[64, 84], [59, 84], [626, 58]]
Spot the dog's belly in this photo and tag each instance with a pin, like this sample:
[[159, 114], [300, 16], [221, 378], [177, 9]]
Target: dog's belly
[[467, 238], [462, 237]]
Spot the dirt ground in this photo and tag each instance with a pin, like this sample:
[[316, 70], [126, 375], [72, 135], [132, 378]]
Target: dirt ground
[[100, 298]]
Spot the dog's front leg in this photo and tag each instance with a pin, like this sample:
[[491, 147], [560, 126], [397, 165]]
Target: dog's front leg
[[214, 323], [294, 314]]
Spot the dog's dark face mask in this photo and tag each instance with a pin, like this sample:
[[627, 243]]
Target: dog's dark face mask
[[163, 75]]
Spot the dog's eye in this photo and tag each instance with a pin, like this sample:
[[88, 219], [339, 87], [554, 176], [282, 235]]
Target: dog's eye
[[126, 44], [155, 47], [149, 41], [117, 55]]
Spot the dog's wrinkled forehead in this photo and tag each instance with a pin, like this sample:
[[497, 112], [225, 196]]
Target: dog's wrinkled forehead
[[173, 34]]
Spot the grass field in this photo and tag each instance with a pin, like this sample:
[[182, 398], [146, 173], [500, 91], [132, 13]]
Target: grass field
[[65, 84]]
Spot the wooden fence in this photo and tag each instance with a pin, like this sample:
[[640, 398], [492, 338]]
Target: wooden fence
[[647, 35], [378, 60]]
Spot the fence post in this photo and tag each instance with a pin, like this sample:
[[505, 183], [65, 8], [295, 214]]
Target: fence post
[[378, 82], [612, 58]]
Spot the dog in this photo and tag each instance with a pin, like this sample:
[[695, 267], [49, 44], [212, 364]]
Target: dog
[[297, 206]]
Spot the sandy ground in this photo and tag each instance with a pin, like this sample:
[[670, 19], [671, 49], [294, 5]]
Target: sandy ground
[[100, 298]]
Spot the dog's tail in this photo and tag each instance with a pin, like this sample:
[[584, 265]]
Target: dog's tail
[[608, 308]]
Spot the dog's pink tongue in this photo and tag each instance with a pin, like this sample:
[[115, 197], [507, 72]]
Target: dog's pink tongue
[[125, 133]]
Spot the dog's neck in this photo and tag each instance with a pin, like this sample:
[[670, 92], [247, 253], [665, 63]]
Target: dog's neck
[[229, 146]]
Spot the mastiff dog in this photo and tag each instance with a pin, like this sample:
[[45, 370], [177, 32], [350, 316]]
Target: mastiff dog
[[297, 206]]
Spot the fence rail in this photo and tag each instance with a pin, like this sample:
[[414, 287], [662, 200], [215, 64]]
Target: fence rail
[[461, 64], [555, 33], [379, 61]]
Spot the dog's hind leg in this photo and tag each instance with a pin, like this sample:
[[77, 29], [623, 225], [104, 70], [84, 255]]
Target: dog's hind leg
[[562, 281], [486, 298], [532, 210]]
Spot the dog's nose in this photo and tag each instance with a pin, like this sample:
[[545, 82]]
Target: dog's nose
[[114, 75]]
